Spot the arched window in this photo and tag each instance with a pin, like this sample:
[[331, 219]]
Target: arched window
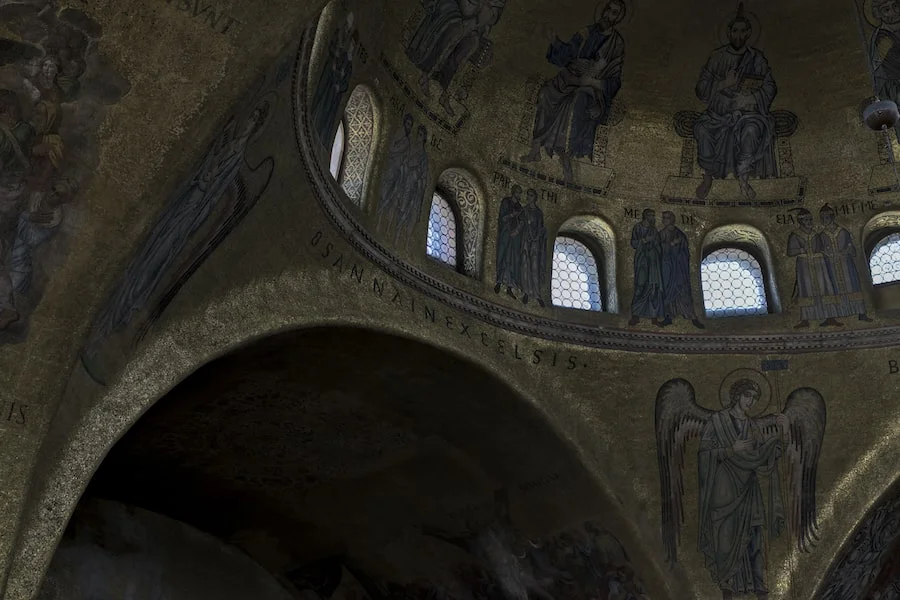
[[458, 188], [359, 119], [733, 284], [441, 243], [884, 262], [575, 281], [337, 151]]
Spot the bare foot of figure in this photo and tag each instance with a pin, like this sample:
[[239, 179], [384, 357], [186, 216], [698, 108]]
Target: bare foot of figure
[[746, 189], [704, 187], [8, 316], [665, 322], [445, 102], [802, 324], [510, 293], [525, 299], [698, 324], [634, 321], [533, 156], [541, 303], [831, 322], [423, 83], [865, 317], [497, 289]]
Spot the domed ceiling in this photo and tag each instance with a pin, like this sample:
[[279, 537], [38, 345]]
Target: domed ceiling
[[656, 135]]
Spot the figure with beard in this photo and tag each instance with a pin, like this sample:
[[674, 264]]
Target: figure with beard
[[814, 285], [509, 242], [678, 301], [574, 103], [736, 134], [837, 245], [451, 32], [533, 251], [184, 216], [333, 83], [648, 287], [885, 50]]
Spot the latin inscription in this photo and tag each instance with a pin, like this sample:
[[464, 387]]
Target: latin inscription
[[502, 181], [847, 208], [636, 214], [384, 290], [215, 18]]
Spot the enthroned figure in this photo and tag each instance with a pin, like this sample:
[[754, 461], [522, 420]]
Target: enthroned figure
[[736, 133], [574, 103]]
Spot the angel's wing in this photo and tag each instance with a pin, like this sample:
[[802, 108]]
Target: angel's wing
[[805, 409], [678, 419]]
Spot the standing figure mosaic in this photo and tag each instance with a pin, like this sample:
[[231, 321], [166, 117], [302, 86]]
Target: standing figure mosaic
[[647, 301], [745, 461], [678, 300], [575, 102], [736, 133], [827, 284], [404, 182], [521, 246], [333, 83], [452, 32]]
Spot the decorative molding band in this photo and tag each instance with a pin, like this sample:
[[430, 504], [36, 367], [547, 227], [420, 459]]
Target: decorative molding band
[[338, 211]]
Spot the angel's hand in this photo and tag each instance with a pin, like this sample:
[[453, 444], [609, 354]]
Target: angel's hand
[[743, 445], [784, 424]]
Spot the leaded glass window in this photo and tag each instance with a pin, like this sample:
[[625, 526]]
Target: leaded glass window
[[885, 260], [441, 243], [359, 115], [575, 280], [337, 151], [733, 284]]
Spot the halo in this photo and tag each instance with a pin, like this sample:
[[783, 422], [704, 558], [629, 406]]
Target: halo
[[868, 10], [754, 22], [629, 11], [765, 389], [270, 98]]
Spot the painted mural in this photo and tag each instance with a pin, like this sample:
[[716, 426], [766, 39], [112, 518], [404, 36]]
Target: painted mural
[[334, 81], [213, 201], [579, 98], [521, 246], [827, 284], [55, 88], [496, 562], [734, 137], [868, 567], [757, 474], [404, 183], [662, 272]]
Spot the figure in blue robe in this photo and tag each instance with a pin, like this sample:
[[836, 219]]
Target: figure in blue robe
[[333, 84], [678, 301], [647, 301], [574, 103]]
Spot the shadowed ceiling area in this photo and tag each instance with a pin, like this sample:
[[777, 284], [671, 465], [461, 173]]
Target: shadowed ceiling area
[[346, 442]]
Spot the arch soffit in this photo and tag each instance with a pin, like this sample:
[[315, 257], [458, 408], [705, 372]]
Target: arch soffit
[[748, 236], [602, 235], [873, 230], [462, 187], [361, 141]]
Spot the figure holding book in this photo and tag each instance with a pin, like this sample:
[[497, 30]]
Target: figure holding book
[[736, 133]]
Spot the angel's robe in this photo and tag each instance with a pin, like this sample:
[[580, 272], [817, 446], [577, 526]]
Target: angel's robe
[[732, 511]]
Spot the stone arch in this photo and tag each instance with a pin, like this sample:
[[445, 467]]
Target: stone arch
[[480, 434], [600, 238], [460, 188], [752, 240]]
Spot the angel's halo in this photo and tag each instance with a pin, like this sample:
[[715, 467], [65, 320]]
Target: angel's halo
[[765, 389]]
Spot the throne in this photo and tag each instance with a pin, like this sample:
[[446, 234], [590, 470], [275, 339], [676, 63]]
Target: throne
[[783, 190]]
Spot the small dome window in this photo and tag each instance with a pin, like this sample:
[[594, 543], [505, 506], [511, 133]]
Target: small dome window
[[442, 236], [733, 284], [884, 262], [575, 281], [337, 152]]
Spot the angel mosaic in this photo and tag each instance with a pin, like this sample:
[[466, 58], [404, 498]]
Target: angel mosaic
[[756, 471]]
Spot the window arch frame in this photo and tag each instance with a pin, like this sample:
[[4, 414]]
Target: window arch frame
[[341, 131], [458, 241], [600, 239], [872, 243], [754, 252], [460, 187], [748, 239], [597, 253], [371, 102]]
